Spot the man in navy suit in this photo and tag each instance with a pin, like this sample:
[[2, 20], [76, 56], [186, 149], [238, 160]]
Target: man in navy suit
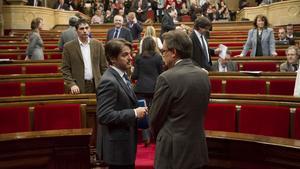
[[117, 110], [119, 31]]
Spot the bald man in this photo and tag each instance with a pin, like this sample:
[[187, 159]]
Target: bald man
[[119, 31]]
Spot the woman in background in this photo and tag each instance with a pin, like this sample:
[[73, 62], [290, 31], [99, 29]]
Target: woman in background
[[150, 32], [260, 39], [148, 66], [34, 49]]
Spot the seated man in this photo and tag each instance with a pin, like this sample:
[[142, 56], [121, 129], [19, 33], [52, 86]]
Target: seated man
[[283, 39], [292, 63], [224, 64]]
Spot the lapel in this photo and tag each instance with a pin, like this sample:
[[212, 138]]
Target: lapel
[[129, 93], [78, 50], [264, 34], [92, 48], [254, 36], [197, 40]]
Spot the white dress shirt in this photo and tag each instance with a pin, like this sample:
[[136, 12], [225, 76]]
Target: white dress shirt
[[86, 56]]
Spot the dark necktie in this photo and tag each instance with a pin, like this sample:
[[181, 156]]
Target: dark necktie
[[128, 83], [204, 47], [116, 33], [295, 67]]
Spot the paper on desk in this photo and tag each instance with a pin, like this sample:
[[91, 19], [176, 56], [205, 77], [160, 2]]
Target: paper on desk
[[223, 48], [297, 84]]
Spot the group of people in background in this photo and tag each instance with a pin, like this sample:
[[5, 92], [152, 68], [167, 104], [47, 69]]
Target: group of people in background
[[170, 71]]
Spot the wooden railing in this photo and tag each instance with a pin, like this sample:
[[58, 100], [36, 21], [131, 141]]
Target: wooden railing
[[56, 149]]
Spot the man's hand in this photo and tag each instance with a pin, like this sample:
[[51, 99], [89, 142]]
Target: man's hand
[[75, 89], [141, 112]]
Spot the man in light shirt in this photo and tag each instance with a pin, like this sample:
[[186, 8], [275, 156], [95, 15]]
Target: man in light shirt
[[83, 61]]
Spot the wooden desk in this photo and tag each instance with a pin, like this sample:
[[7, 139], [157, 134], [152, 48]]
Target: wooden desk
[[52, 149]]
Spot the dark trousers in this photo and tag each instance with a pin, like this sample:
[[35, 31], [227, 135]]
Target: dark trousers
[[121, 167], [89, 86]]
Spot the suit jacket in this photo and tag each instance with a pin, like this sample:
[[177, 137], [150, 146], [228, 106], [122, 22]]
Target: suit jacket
[[64, 6], [231, 66], [66, 36], [136, 29], [198, 55], [167, 24], [73, 65], [125, 34], [146, 70], [177, 117], [267, 42], [142, 16], [117, 132], [286, 67], [35, 47]]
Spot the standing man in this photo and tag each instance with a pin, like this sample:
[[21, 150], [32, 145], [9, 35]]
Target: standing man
[[119, 31], [178, 107], [117, 110], [83, 61], [69, 34], [134, 26], [140, 7], [201, 54], [167, 23]]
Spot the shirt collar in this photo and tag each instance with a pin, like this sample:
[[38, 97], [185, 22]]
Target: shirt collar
[[120, 72], [178, 61], [83, 44]]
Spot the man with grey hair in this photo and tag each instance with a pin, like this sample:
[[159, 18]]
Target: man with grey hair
[[119, 31], [69, 34], [178, 107], [292, 60]]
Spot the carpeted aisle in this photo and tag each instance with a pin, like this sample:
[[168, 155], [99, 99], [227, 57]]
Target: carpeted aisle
[[144, 156]]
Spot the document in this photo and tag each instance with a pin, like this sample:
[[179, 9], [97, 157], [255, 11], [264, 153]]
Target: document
[[223, 52], [297, 84]]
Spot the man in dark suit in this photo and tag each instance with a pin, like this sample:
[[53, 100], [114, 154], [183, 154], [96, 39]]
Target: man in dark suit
[[283, 39], [119, 31], [61, 5], [134, 26], [83, 61], [180, 101], [167, 22], [201, 54], [140, 7], [117, 111]]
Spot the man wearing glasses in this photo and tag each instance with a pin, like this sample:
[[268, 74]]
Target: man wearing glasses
[[83, 61], [180, 101]]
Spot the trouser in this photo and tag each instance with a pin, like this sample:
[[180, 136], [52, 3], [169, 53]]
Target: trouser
[[89, 86]]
